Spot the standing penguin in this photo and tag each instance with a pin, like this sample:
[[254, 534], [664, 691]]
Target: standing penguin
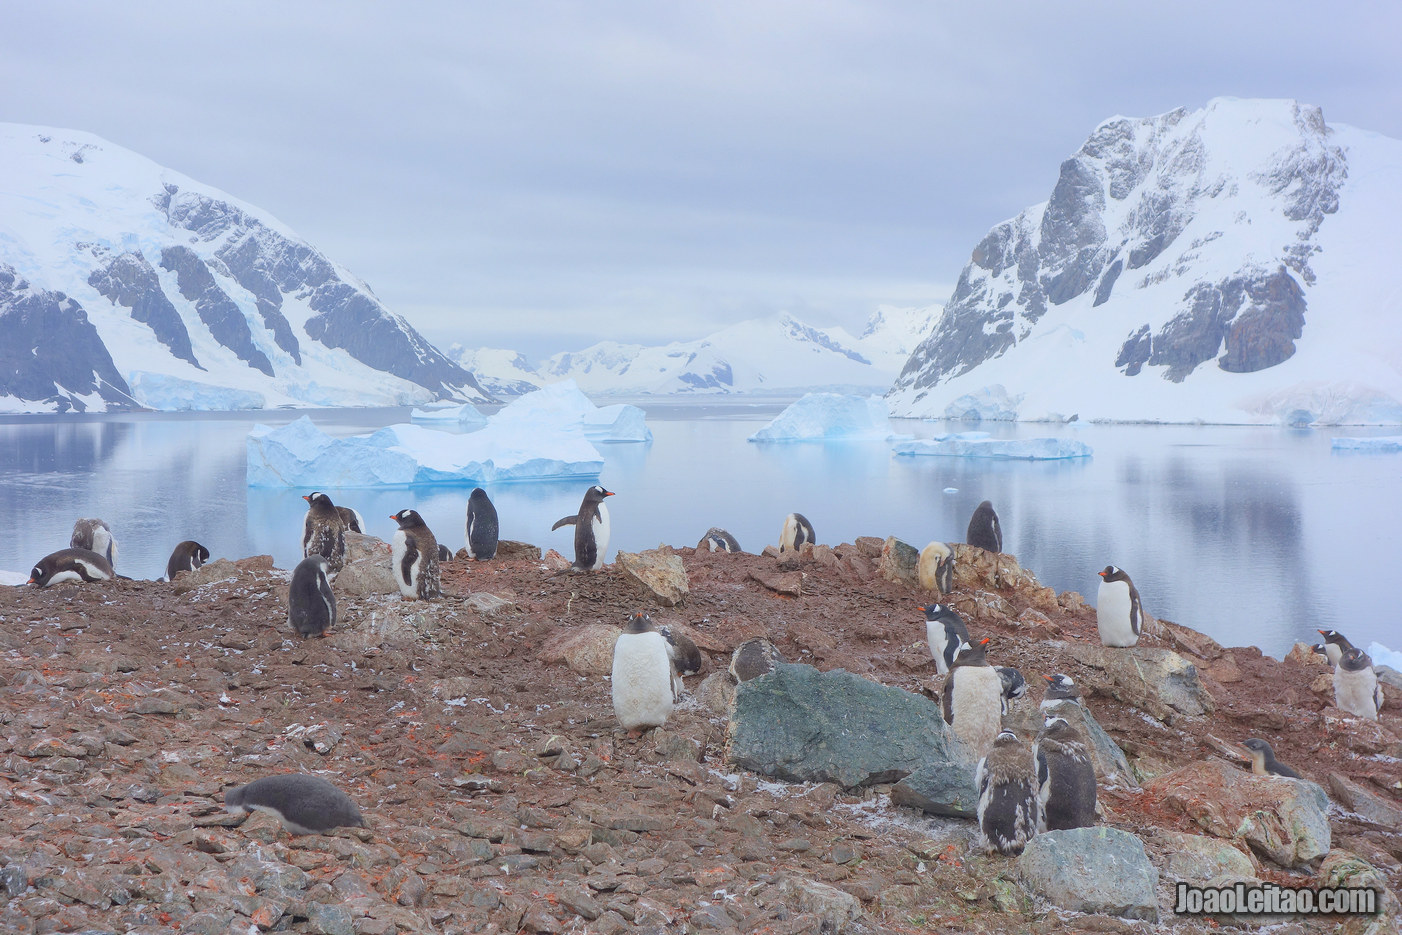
[[311, 607], [323, 531], [95, 535], [1014, 685], [1118, 614], [1060, 690], [718, 540], [755, 657], [1065, 777], [1356, 687], [187, 556], [591, 529], [481, 530], [984, 530], [943, 631], [795, 532], [352, 519], [972, 701], [303, 804], [414, 557], [1335, 645], [935, 569], [642, 675], [685, 656], [1263, 761], [70, 565], [1007, 796]]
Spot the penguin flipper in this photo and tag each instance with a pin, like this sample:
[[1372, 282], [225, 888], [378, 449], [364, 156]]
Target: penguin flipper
[[411, 555], [947, 699], [567, 521]]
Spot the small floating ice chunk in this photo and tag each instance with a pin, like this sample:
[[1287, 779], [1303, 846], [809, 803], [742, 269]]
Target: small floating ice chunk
[[951, 490], [830, 417], [1379, 444], [466, 414], [1007, 449]]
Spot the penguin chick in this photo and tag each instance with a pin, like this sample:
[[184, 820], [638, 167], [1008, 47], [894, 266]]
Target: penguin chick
[[935, 568], [95, 535], [984, 530], [1263, 761], [187, 556], [1014, 685], [1335, 645], [591, 529], [1356, 688], [323, 531], [943, 631], [414, 557], [972, 701], [718, 540], [70, 565], [311, 607], [482, 530], [686, 658], [351, 519], [753, 658], [303, 804], [1065, 777], [796, 532], [1118, 614], [1007, 796], [1060, 690], [642, 675]]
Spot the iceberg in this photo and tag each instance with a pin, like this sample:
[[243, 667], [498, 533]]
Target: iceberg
[[14, 578], [1382, 656], [829, 417], [466, 414], [562, 406], [979, 445], [301, 455], [991, 403], [172, 394], [1381, 444]]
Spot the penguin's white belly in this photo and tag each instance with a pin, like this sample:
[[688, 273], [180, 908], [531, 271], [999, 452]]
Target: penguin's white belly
[[601, 540], [408, 583], [642, 680], [1357, 692], [977, 701], [1112, 610], [63, 576], [927, 568], [935, 638], [467, 532]]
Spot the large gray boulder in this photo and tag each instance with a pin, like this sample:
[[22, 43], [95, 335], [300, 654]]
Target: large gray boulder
[[940, 788], [802, 725], [1099, 871], [1111, 766], [1157, 681]]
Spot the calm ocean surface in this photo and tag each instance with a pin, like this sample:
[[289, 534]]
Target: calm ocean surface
[[1256, 536]]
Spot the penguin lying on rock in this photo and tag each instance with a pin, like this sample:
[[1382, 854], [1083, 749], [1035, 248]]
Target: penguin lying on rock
[[187, 556], [70, 565], [303, 804], [1263, 761]]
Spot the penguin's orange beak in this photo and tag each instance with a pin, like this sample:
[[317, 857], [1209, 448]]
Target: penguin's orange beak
[[921, 609], [1322, 632], [1101, 573], [306, 498], [1049, 678], [609, 494], [985, 641], [31, 580]]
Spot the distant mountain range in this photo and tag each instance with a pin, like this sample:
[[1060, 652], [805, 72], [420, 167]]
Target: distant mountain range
[[124, 284], [1232, 264]]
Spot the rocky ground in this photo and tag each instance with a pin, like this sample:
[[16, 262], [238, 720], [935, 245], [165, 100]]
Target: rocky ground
[[500, 794]]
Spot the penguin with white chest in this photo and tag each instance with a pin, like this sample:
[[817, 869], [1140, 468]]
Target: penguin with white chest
[[1356, 687], [1008, 813], [481, 529], [303, 804], [591, 529], [642, 675], [414, 557], [1065, 777], [311, 607], [935, 568], [1335, 645], [324, 531], [1263, 761], [944, 629], [187, 556], [1118, 614], [972, 700], [796, 532], [351, 519], [95, 535], [984, 529], [718, 540], [70, 565]]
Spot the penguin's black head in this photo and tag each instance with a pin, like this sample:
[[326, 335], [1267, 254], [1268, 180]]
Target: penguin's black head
[[600, 492], [407, 518], [1335, 638], [639, 622], [36, 574], [1355, 660], [318, 499], [1257, 745], [1005, 737], [934, 611]]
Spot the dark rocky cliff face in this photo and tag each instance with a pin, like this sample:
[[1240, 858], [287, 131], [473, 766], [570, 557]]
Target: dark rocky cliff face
[[219, 312], [129, 281], [51, 352]]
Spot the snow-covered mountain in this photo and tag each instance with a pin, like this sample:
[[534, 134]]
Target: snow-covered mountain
[[124, 284], [1233, 264], [500, 372], [772, 355]]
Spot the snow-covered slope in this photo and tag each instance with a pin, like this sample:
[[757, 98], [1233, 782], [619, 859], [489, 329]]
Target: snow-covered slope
[[1233, 264], [776, 354], [123, 283], [500, 372]]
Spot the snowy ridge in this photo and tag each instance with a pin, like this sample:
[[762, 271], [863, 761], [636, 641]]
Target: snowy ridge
[[1226, 265], [192, 298]]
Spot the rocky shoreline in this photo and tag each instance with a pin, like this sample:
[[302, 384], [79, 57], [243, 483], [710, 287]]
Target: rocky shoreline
[[500, 794]]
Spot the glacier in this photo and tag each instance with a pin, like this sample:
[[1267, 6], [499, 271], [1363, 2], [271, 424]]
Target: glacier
[[1382, 444], [979, 445], [1382, 656], [562, 405], [829, 417], [466, 414], [172, 394]]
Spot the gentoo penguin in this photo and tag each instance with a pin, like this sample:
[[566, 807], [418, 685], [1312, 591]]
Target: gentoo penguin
[[591, 529], [352, 519], [1007, 796], [984, 530], [753, 658], [1335, 645], [323, 531], [718, 540], [414, 557], [70, 565], [96, 536], [481, 529], [1356, 687], [685, 657], [303, 804], [642, 675], [443, 554], [1118, 614], [187, 556], [935, 569], [1014, 685], [973, 697], [943, 631], [1263, 761], [1060, 690], [796, 531], [311, 607], [1065, 777]]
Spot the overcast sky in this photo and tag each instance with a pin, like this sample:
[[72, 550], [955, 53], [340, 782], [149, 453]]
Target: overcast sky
[[543, 175]]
